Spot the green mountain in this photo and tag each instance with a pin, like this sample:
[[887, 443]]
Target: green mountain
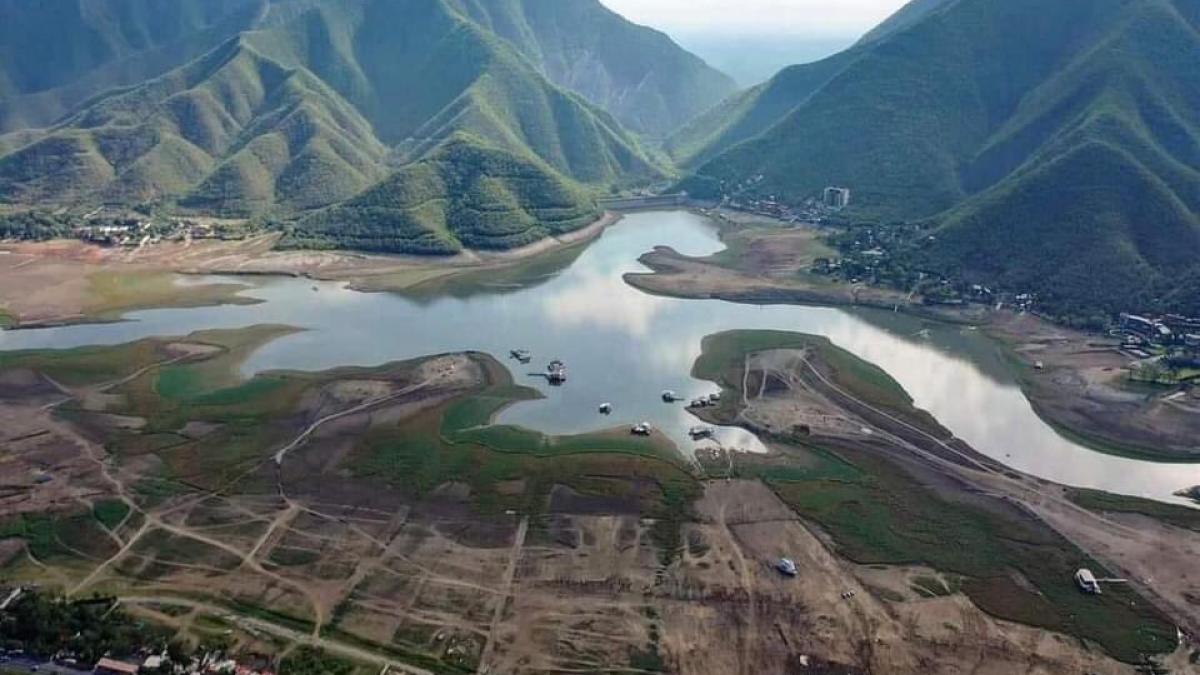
[[233, 132], [1055, 145], [56, 54], [905, 17], [279, 107], [637, 74], [465, 194]]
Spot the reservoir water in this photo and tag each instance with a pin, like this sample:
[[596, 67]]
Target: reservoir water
[[625, 347]]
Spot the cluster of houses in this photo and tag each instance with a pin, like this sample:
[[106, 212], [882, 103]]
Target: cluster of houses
[[133, 230], [1165, 331], [746, 196], [155, 663], [1167, 347]]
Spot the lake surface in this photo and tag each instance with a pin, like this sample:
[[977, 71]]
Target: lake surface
[[625, 347]]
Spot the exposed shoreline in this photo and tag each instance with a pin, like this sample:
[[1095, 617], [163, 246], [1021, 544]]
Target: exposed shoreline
[[1078, 389], [908, 440], [68, 282]]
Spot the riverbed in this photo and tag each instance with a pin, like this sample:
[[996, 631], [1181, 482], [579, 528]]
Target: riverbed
[[625, 347]]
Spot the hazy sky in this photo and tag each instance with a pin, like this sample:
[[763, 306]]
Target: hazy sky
[[795, 17]]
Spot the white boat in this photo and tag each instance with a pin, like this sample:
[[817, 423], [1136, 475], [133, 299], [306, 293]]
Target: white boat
[[606, 408], [643, 429]]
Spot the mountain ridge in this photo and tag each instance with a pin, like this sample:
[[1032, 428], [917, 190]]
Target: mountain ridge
[[306, 104], [964, 117]]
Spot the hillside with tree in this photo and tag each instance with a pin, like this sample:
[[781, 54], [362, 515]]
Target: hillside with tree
[[249, 108], [1043, 141]]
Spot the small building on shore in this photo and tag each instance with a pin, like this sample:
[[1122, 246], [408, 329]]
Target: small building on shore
[[836, 197]]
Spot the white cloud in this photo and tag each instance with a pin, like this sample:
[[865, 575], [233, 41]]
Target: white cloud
[[800, 17]]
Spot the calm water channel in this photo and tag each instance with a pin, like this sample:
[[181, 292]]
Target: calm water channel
[[625, 347]]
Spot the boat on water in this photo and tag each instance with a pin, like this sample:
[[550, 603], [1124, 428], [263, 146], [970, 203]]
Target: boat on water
[[556, 372], [521, 355], [606, 408]]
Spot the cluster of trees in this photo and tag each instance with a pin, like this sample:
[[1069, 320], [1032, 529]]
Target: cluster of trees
[[465, 195], [87, 630], [915, 257], [35, 225], [48, 626], [308, 660]]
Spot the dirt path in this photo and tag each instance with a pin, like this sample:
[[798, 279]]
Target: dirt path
[[145, 528], [328, 644], [746, 577], [366, 405], [1114, 543], [510, 574]]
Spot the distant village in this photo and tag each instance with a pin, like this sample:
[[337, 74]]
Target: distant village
[[1165, 349], [815, 211], [133, 230]]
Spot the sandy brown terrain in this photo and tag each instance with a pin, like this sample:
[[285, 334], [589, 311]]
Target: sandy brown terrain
[[1083, 385], [70, 281], [741, 616], [339, 562], [1156, 558]]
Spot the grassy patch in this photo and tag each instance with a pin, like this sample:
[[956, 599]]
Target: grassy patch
[[403, 653], [110, 512], [86, 365], [1013, 568], [112, 293], [306, 660], [725, 351], [1179, 516], [58, 537], [454, 442]]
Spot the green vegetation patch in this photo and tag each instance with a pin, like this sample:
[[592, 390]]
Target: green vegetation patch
[[86, 365], [1011, 566], [59, 537], [307, 660], [465, 194], [399, 649], [110, 512], [44, 625], [1102, 502]]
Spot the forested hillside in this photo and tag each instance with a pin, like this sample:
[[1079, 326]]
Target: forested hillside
[[56, 54], [466, 194], [279, 107], [1056, 145]]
